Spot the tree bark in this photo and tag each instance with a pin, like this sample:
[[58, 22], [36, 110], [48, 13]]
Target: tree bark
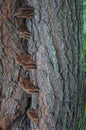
[[14, 101], [56, 45]]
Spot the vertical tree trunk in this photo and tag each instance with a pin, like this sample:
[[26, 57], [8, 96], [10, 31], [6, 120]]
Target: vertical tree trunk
[[56, 45], [58, 36]]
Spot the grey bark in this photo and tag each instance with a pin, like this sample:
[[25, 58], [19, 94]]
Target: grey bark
[[57, 34], [56, 45]]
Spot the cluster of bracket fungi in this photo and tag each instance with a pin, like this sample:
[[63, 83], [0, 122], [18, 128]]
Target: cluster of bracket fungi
[[26, 61]]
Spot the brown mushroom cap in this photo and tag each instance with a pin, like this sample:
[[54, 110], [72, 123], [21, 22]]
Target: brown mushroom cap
[[25, 61], [25, 12], [33, 115], [24, 57], [24, 33], [28, 86]]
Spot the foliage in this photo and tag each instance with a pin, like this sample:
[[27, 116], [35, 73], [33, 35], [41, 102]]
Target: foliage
[[82, 123]]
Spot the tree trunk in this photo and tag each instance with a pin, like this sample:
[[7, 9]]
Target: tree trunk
[[56, 45]]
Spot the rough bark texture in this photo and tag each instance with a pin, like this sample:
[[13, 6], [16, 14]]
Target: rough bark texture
[[14, 101], [56, 45]]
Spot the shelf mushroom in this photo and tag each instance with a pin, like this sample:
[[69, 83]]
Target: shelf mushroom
[[33, 115], [25, 12], [28, 86], [24, 33], [25, 61]]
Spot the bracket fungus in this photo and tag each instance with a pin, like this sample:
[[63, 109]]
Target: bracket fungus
[[33, 115], [25, 61], [24, 33], [25, 12], [28, 86]]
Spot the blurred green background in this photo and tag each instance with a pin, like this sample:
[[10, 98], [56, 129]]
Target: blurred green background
[[82, 123]]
